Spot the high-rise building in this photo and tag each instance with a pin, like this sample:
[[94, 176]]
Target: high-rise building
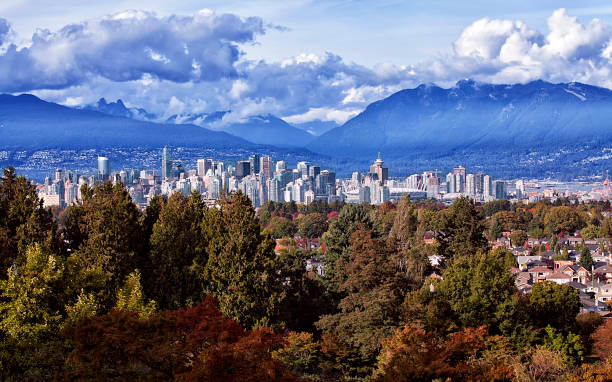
[[500, 188], [450, 183], [378, 169], [275, 192], [103, 167], [201, 167], [265, 167], [487, 184], [243, 168], [470, 184], [479, 183], [254, 164], [313, 171], [460, 170], [459, 183], [166, 163], [280, 166], [58, 174], [302, 167]]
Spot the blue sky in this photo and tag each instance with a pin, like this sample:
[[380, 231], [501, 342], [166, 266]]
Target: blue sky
[[302, 60]]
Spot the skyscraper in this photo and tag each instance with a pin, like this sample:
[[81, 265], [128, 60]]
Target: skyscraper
[[461, 171], [103, 167], [470, 184], [487, 184], [378, 169], [254, 164], [243, 168], [201, 167], [265, 167], [166, 163]]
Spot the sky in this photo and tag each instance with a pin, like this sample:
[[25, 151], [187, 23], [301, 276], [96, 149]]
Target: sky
[[302, 60]]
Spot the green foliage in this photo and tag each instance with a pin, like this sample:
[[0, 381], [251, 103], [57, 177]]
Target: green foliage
[[460, 230], [508, 220], [480, 290], [563, 219], [280, 227], [31, 314], [570, 347], [176, 243], [494, 206], [313, 225], [107, 236], [301, 355], [131, 298], [374, 287], [495, 230], [336, 239], [555, 305], [23, 221], [306, 299], [242, 270], [586, 258], [518, 237], [590, 232], [85, 306]]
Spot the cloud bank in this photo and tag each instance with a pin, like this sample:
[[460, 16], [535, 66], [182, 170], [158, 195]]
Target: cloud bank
[[194, 64]]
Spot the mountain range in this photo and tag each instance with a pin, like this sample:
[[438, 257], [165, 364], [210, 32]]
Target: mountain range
[[261, 129], [537, 129]]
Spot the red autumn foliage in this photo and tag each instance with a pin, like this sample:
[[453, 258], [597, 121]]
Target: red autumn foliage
[[190, 344]]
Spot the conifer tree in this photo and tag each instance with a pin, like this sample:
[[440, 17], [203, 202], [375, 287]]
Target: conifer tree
[[242, 270]]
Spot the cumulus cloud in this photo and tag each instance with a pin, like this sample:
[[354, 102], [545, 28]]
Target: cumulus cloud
[[128, 46], [194, 64]]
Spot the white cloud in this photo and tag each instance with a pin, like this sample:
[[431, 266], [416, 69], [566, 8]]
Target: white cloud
[[194, 64]]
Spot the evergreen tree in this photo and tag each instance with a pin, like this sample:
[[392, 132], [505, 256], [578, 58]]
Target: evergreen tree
[[131, 298], [31, 315], [107, 238], [23, 221], [336, 239], [242, 270], [176, 242], [460, 230], [374, 290], [586, 258]]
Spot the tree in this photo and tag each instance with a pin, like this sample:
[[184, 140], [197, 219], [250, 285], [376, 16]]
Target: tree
[[602, 340], [518, 237], [508, 220], [106, 236], [242, 270], [305, 297], [413, 354], [336, 239], [480, 291], [590, 232], [374, 288], [461, 229], [495, 230], [312, 225], [570, 347], [176, 243], [130, 298], [301, 354], [490, 208], [586, 259], [563, 219], [280, 227], [23, 221], [194, 344], [31, 314], [555, 305]]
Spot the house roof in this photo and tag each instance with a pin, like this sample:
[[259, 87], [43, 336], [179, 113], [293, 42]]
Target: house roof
[[604, 269], [540, 269], [558, 276]]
